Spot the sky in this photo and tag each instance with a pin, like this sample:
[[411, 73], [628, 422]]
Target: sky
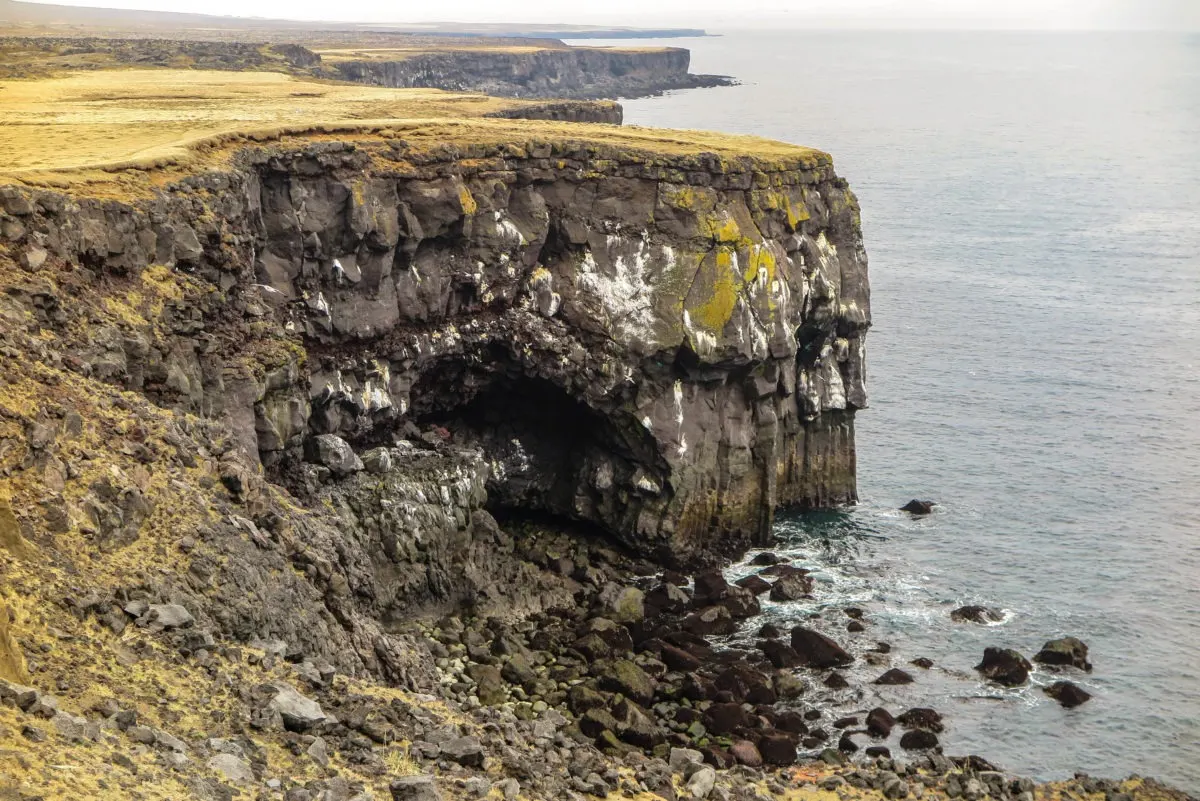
[[1002, 14]]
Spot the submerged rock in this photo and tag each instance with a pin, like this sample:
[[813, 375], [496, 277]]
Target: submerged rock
[[1067, 693], [976, 614], [895, 676], [916, 507]]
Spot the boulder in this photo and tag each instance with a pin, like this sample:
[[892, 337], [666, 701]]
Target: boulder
[[880, 722], [635, 727], [743, 682], [678, 659], [918, 740], [710, 587], [1067, 651], [1004, 666], [778, 748], [299, 713], [682, 758], [895, 676], [836, 681], [415, 788], [596, 721], [976, 614], [333, 452], [740, 602], [1069, 694], [625, 677], [231, 768], [921, 718], [818, 651], [746, 753], [489, 685], [623, 604], [517, 670], [755, 584], [701, 783], [466, 751], [916, 507], [791, 588], [766, 559], [667, 598], [722, 719], [780, 655], [164, 617], [714, 620]]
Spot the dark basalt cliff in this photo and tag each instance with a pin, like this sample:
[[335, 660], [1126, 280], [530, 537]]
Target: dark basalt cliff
[[666, 348], [566, 72]]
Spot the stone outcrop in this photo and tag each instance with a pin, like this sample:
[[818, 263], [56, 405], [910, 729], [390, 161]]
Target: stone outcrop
[[574, 72], [667, 348]]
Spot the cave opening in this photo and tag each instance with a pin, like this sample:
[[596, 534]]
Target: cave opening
[[552, 456]]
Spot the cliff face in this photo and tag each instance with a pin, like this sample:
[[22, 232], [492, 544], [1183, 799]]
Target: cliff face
[[568, 72], [667, 348]]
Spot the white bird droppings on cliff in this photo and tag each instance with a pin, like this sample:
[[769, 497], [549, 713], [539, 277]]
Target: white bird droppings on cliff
[[624, 291]]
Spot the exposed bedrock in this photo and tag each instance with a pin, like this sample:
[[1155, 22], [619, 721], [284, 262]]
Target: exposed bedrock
[[667, 348], [554, 72]]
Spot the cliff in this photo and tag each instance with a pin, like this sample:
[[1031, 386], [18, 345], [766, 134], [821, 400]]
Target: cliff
[[667, 347], [575, 72], [507, 67]]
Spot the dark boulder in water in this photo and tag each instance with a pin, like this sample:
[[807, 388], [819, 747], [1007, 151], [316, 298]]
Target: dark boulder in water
[[836, 681], [923, 662], [895, 676], [756, 584], [791, 588], [818, 651], [918, 740], [976, 614], [765, 559], [855, 627], [921, 718], [770, 630], [1067, 651], [880, 722], [1068, 694], [916, 507], [1004, 666]]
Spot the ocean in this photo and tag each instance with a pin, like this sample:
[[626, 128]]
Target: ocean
[[1031, 208]]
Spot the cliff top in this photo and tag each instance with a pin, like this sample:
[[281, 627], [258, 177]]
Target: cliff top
[[131, 128], [334, 55]]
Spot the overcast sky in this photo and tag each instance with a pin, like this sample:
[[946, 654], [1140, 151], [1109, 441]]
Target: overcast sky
[[1052, 14]]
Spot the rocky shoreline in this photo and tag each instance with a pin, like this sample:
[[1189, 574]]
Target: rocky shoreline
[[369, 465]]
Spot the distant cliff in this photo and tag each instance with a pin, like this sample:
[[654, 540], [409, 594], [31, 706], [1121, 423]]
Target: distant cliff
[[562, 73]]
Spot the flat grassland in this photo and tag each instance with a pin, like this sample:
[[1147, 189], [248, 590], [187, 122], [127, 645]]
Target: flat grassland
[[90, 127]]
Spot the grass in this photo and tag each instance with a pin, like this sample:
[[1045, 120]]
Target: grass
[[84, 128], [336, 55]]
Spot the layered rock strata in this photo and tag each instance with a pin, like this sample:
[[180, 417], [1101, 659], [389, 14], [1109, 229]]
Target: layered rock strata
[[574, 72], [666, 348]]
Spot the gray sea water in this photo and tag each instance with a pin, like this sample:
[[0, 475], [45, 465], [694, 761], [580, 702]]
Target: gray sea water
[[1031, 204]]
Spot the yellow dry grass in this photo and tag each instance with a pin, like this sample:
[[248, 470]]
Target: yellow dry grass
[[339, 54], [85, 128], [335, 55], [98, 118]]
